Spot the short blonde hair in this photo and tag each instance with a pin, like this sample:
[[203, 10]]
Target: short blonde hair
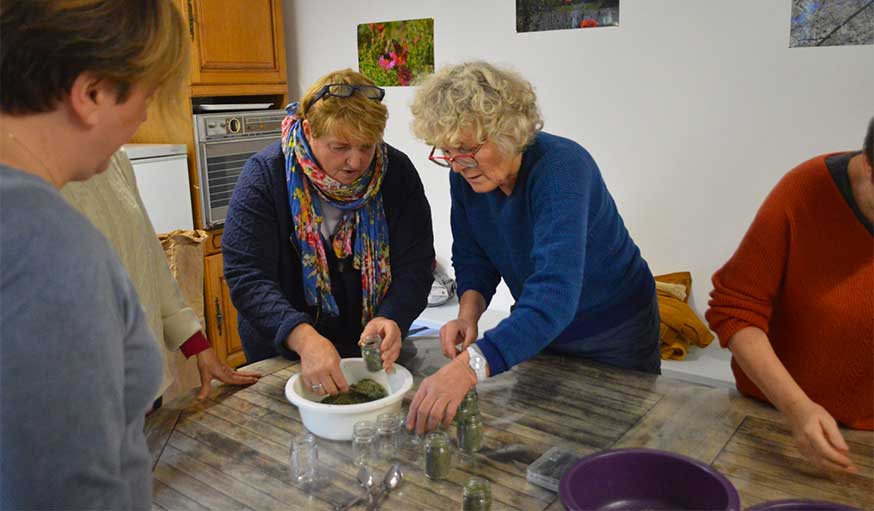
[[495, 104], [357, 117]]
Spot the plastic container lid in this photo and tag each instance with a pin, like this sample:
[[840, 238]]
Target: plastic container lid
[[548, 469]]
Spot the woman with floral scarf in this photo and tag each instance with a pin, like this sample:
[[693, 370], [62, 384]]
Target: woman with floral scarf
[[328, 235]]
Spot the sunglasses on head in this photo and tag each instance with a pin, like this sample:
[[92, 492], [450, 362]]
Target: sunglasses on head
[[345, 90]]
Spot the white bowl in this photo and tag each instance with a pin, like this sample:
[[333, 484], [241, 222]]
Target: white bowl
[[335, 422]]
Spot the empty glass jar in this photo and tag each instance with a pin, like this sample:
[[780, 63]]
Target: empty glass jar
[[304, 459], [363, 443], [438, 456], [390, 433], [370, 353]]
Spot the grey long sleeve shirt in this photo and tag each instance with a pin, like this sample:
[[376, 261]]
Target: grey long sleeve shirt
[[78, 364]]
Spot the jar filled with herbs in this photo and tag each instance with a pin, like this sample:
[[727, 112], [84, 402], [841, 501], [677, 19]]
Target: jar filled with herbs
[[477, 495], [370, 352], [469, 405], [470, 433], [438, 455]]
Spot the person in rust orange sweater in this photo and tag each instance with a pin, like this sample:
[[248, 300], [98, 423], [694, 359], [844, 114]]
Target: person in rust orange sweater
[[795, 303]]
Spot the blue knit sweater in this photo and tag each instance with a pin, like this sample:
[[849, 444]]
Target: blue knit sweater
[[560, 245], [263, 270]]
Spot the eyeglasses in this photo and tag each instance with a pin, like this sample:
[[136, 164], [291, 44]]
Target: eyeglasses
[[345, 90], [467, 160]]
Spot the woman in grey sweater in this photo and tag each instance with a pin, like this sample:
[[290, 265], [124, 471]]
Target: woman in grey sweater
[[78, 365]]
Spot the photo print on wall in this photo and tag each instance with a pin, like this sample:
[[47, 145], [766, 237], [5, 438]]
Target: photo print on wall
[[396, 52], [538, 15], [831, 23]]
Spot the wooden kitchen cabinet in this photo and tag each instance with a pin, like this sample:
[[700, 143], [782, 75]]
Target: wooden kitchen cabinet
[[236, 41], [221, 317], [237, 52]]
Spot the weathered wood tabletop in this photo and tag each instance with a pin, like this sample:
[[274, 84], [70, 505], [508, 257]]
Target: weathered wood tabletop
[[232, 450]]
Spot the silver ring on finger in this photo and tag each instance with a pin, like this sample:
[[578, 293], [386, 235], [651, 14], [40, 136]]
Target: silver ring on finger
[[316, 387]]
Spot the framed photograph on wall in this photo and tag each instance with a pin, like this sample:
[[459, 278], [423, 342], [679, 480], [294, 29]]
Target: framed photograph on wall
[[539, 15], [831, 23], [396, 52]]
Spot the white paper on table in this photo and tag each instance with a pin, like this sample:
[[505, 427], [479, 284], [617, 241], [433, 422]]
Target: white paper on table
[[428, 328]]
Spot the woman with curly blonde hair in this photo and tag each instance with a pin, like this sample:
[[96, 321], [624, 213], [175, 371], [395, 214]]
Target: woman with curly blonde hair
[[533, 209]]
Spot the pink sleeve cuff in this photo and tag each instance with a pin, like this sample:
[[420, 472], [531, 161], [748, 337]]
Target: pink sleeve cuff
[[195, 344]]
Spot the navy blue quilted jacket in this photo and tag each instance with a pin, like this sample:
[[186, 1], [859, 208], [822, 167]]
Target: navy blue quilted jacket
[[263, 270]]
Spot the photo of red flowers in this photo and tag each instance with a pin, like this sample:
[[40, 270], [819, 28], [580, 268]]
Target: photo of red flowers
[[396, 52], [537, 15]]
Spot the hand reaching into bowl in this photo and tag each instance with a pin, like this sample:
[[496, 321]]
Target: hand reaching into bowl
[[319, 361]]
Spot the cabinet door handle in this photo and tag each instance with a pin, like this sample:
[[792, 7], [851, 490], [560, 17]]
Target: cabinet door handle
[[219, 317], [191, 20]]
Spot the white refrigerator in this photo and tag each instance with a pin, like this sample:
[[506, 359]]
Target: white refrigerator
[[162, 176]]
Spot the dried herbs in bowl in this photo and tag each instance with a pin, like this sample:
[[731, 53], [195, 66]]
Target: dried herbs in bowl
[[364, 391]]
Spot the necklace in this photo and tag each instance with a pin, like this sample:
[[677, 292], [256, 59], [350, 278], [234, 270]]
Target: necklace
[[54, 181]]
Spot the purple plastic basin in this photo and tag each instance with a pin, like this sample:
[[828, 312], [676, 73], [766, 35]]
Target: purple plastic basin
[[800, 505], [645, 479]]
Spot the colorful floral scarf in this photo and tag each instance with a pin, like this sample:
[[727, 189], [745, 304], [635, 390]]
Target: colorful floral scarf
[[362, 231]]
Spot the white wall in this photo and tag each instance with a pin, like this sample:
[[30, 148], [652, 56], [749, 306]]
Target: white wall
[[693, 109]]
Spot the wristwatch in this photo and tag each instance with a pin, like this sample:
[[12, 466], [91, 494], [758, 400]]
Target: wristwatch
[[477, 362]]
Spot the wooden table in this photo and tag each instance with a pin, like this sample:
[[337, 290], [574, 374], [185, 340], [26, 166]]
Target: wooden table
[[231, 451]]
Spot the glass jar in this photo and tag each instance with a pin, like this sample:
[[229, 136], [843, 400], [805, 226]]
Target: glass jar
[[370, 353], [388, 429], [438, 456], [468, 406], [363, 443], [470, 433], [477, 495], [304, 459]]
